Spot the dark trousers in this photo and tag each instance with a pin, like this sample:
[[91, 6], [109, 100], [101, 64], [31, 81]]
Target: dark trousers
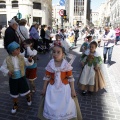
[[109, 50], [44, 41], [47, 43], [117, 39], [75, 41], [35, 44]]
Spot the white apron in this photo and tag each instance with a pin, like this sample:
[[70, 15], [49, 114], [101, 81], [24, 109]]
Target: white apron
[[88, 75]]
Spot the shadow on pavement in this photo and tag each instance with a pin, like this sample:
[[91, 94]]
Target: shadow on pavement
[[113, 62], [98, 106]]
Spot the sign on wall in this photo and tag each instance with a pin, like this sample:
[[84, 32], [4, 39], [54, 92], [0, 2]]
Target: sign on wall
[[62, 2], [61, 12]]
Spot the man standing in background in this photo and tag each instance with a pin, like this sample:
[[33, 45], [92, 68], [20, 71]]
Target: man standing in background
[[76, 31], [109, 41], [3, 31], [48, 37], [10, 33]]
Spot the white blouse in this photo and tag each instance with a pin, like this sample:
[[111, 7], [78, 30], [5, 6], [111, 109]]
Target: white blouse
[[15, 61], [29, 52]]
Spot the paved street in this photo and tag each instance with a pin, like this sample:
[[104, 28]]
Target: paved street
[[104, 105]]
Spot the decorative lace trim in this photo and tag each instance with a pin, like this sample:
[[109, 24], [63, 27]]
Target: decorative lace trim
[[71, 79], [64, 67], [65, 116], [87, 52], [47, 78]]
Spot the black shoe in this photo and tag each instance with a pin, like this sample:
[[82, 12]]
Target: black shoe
[[84, 93], [89, 92], [104, 60]]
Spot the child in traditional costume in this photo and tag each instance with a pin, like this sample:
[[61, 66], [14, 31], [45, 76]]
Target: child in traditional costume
[[91, 77], [57, 41], [63, 40], [59, 91], [14, 66], [31, 71], [86, 44]]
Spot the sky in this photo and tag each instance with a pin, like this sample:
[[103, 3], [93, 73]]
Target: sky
[[94, 4]]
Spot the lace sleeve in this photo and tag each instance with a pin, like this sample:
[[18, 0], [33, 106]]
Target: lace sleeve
[[47, 76], [70, 76]]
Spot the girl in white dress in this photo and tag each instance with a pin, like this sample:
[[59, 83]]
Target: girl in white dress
[[91, 78], [59, 91]]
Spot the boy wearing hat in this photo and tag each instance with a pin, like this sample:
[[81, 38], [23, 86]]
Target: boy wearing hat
[[14, 66]]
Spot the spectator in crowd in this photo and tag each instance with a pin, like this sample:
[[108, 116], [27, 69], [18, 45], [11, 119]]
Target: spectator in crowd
[[117, 31], [92, 31], [71, 35], [3, 31], [10, 33], [42, 33], [48, 36], [28, 27], [109, 40], [22, 30], [76, 31], [86, 28], [34, 34]]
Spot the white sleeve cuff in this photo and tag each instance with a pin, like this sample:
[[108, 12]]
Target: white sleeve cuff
[[4, 71], [71, 79], [47, 78], [27, 63]]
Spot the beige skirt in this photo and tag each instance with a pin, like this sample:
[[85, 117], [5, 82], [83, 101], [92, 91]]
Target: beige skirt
[[41, 107], [99, 83]]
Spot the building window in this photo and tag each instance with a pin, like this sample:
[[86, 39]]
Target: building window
[[78, 7], [2, 4], [37, 6], [14, 4]]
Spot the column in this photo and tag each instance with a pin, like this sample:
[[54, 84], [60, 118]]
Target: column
[[71, 12], [8, 10], [85, 12]]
